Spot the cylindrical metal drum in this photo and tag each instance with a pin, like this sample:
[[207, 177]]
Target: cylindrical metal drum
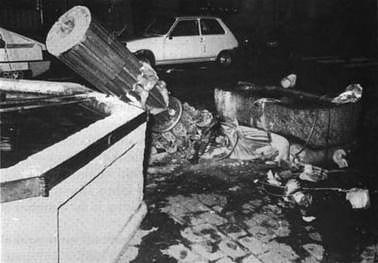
[[89, 49]]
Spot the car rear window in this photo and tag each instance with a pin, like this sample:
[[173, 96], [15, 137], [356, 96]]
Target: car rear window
[[186, 28], [211, 27]]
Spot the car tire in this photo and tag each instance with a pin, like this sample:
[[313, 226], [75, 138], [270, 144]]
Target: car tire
[[224, 59]]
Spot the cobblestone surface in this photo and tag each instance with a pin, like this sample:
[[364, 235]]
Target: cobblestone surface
[[242, 225], [210, 237]]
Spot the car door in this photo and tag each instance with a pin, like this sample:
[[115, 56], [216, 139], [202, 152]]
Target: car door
[[182, 42], [213, 37]]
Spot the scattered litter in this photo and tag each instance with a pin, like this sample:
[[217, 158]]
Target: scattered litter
[[313, 173], [308, 219], [234, 189], [352, 93], [315, 235], [358, 198], [315, 250], [291, 186], [339, 158], [272, 178], [289, 81], [286, 174], [302, 199]]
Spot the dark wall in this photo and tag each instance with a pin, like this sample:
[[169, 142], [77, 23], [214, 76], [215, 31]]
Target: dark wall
[[35, 17], [22, 16], [347, 26]]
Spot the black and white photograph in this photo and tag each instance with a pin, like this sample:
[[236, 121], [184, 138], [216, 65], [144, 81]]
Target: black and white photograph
[[189, 131]]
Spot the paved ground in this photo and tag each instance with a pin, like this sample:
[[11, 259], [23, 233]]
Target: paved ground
[[219, 214]]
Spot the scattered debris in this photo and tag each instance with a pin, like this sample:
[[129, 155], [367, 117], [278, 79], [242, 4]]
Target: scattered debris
[[291, 186], [313, 173], [308, 219], [272, 178], [302, 199], [310, 119], [315, 250], [186, 141], [339, 158], [358, 198], [352, 94], [289, 81], [234, 188], [318, 156]]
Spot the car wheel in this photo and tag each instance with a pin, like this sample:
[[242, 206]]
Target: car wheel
[[224, 59]]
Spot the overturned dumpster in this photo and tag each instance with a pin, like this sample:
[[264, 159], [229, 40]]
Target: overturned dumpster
[[317, 123]]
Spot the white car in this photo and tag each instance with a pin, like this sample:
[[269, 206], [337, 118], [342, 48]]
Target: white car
[[21, 56], [185, 39]]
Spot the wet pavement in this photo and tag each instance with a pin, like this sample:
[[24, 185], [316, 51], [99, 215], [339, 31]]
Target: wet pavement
[[219, 213]]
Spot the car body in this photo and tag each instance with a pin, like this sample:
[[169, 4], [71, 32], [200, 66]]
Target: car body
[[21, 56], [185, 39]]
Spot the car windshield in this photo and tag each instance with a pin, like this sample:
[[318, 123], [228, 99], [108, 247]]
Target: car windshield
[[159, 26]]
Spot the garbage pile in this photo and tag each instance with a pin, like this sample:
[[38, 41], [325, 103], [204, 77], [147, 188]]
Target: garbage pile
[[297, 185], [199, 137], [185, 141]]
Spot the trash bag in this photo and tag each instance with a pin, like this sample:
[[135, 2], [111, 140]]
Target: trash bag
[[245, 140], [247, 143], [352, 93], [358, 198], [251, 143], [339, 158]]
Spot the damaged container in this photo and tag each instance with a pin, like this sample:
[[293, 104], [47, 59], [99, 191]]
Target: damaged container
[[78, 196], [302, 117]]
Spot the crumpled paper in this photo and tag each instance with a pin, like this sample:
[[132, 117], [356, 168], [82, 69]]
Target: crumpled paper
[[272, 178], [302, 199], [358, 198], [313, 173], [352, 93], [291, 186], [289, 81], [339, 158]]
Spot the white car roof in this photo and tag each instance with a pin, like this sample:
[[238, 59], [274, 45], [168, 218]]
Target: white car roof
[[196, 17]]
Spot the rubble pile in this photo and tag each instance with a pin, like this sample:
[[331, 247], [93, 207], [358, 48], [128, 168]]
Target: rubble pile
[[185, 141], [199, 136]]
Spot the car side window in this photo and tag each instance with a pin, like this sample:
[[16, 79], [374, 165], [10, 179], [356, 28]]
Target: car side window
[[185, 28], [211, 27]]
